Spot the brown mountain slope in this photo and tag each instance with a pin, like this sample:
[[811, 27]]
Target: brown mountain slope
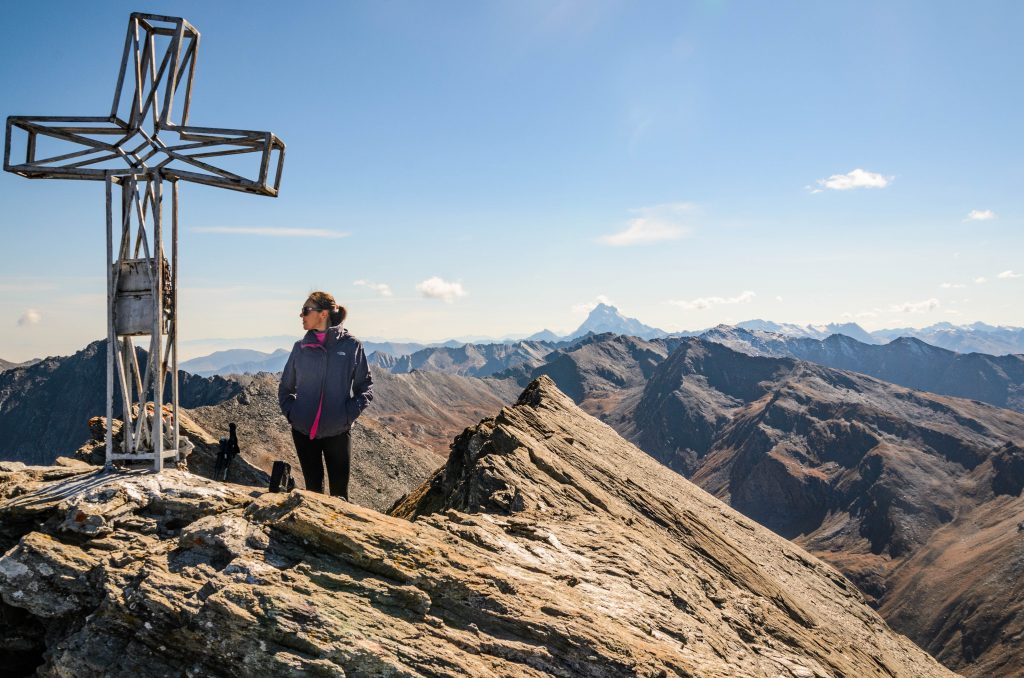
[[430, 408], [384, 465], [878, 479], [548, 546]]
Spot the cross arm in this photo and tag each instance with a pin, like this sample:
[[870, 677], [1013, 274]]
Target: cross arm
[[93, 148], [191, 158], [73, 144]]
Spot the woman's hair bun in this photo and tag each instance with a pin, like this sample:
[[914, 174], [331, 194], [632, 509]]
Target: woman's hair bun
[[338, 315]]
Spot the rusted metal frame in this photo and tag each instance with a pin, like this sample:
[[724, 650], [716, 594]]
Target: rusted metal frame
[[186, 108], [30, 148], [111, 296], [265, 160], [133, 121], [67, 156], [129, 378], [172, 76], [124, 68], [154, 81], [174, 320], [147, 17], [254, 141], [245, 185], [59, 118], [218, 154], [140, 424], [61, 133], [93, 161], [187, 131], [141, 206], [128, 434], [156, 77], [158, 320], [189, 60], [7, 145], [201, 165], [126, 219], [280, 166]]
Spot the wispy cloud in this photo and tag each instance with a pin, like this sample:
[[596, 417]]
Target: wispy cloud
[[980, 280], [952, 286], [439, 288], [915, 306], [1006, 275], [856, 178], [30, 317], [980, 215], [273, 231], [703, 303], [383, 289], [652, 224], [588, 306]]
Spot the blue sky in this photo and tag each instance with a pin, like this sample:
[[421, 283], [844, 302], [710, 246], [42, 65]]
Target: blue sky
[[693, 163]]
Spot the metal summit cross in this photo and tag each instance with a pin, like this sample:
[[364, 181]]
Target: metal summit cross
[[131, 149]]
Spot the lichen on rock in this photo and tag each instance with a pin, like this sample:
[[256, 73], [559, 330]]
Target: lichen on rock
[[547, 545]]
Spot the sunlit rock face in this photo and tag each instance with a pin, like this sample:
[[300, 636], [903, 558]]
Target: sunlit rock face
[[546, 545]]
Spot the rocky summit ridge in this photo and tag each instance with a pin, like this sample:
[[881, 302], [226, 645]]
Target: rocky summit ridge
[[546, 545]]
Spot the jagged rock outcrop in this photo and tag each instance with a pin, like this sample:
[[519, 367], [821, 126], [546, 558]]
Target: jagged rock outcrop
[[547, 545], [200, 450]]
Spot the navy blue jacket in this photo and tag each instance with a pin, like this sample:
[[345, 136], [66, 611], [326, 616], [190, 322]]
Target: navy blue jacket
[[337, 372]]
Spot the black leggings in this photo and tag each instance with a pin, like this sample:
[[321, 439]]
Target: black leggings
[[312, 455]]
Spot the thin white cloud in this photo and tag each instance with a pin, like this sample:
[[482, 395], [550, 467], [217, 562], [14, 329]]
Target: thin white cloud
[[588, 306], [980, 215], [778, 298], [1006, 275], [980, 280], [30, 317], [952, 286], [704, 303], [915, 306], [439, 288], [857, 178], [383, 289], [652, 224], [273, 232]]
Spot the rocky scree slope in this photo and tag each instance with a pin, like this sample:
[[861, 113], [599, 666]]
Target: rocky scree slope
[[546, 546]]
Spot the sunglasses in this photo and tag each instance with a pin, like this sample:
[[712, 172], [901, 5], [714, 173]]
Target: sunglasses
[[306, 310]]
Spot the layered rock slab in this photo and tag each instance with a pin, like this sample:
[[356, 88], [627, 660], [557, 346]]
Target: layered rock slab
[[546, 546]]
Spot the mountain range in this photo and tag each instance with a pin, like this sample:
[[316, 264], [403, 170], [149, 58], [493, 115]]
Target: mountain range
[[604, 318], [895, 486]]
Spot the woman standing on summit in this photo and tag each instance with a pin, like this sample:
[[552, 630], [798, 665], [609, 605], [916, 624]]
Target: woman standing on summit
[[325, 386]]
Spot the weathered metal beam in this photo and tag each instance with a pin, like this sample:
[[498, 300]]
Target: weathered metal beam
[[142, 286]]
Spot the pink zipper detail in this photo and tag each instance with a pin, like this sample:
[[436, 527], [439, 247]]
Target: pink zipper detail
[[316, 422]]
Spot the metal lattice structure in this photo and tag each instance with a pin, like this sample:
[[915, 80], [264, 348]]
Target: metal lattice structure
[[141, 151]]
